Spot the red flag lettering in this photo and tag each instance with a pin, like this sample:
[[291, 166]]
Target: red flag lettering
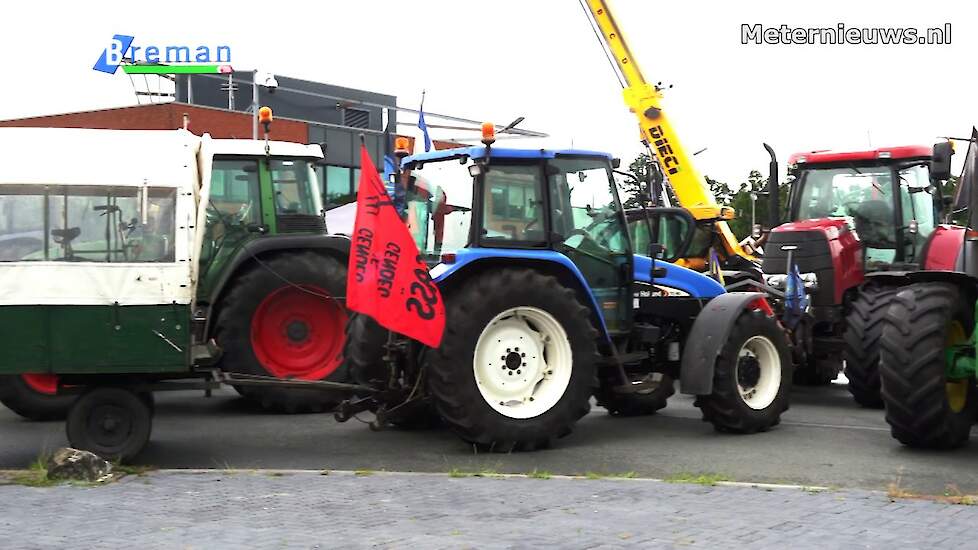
[[387, 278]]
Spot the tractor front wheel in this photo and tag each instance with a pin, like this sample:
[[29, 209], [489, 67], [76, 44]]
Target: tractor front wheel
[[34, 396], [924, 407], [751, 378], [517, 364]]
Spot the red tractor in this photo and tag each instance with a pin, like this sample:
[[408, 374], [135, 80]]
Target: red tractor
[[854, 214]]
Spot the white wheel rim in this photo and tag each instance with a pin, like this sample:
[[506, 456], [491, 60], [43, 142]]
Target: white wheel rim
[[758, 372], [522, 362]]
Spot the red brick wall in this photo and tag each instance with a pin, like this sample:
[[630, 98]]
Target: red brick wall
[[217, 122]]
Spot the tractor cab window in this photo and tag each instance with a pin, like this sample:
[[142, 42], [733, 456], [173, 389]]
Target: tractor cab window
[[296, 188], [89, 223], [513, 204], [234, 194], [917, 206], [586, 214], [439, 206]]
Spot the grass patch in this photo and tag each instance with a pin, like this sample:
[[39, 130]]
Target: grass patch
[[708, 480], [538, 474], [363, 473], [131, 469], [486, 472], [619, 475], [36, 474], [952, 495]]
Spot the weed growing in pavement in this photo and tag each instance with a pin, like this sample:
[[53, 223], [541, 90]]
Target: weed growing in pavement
[[538, 474], [132, 470], [36, 474], [621, 475], [708, 480], [363, 473], [952, 495], [486, 472]]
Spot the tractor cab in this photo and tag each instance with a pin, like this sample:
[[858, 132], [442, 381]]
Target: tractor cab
[[886, 196], [462, 202]]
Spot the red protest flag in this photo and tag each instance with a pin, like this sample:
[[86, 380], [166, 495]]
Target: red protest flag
[[387, 278]]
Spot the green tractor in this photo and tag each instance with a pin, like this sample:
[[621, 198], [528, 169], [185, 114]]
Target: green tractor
[[141, 253], [548, 304], [927, 348]]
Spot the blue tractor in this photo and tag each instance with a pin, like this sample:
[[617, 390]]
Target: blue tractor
[[551, 301]]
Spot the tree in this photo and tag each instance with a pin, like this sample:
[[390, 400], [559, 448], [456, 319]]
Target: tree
[[720, 190]]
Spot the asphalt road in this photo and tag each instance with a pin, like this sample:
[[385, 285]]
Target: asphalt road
[[825, 439]]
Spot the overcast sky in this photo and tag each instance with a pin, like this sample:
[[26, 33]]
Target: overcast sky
[[495, 60]]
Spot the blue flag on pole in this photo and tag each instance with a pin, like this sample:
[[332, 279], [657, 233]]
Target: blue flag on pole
[[424, 130]]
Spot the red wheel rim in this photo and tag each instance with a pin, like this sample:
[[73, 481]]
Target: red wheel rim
[[298, 333], [42, 383]]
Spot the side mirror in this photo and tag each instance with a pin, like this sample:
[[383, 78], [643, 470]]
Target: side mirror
[[940, 162]]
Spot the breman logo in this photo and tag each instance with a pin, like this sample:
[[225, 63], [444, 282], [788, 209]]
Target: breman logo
[[170, 59]]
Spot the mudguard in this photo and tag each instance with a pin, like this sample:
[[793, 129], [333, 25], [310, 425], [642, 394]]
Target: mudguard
[[707, 337]]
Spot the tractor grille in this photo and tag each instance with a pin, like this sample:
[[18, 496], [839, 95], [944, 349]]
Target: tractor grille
[[299, 223], [812, 256]]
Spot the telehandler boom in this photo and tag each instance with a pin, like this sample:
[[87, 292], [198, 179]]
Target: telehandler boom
[[645, 101]]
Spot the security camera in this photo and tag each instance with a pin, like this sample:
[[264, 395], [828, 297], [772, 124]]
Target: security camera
[[268, 81]]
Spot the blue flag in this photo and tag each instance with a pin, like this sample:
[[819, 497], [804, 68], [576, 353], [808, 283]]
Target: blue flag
[[424, 129]]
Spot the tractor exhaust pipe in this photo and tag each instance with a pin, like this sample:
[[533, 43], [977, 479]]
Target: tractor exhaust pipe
[[773, 197]]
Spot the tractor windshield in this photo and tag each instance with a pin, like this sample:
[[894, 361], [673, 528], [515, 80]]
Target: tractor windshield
[[864, 195], [439, 206]]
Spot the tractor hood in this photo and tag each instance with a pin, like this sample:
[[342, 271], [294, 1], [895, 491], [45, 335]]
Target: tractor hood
[[827, 247]]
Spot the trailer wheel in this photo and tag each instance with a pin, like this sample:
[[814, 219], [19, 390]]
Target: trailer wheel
[[925, 408], [751, 379], [517, 364], [640, 403], [864, 326], [114, 423], [34, 396], [281, 318]]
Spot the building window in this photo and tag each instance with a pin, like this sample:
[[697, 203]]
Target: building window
[[338, 186]]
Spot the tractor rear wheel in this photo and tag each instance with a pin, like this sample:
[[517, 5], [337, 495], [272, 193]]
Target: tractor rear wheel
[[751, 379], [34, 396], [281, 318], [925, 408], [864, 326], [517, 364]]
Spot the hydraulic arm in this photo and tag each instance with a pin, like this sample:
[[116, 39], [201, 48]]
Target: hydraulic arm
[[644, 100]]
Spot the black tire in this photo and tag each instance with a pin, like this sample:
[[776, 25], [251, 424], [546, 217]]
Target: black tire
[[864, 326], [818, 372], [912, 370], [450, 368], [725, 408], [363, 351], [31, 404], [239, 305], [113, 423], [639, 403], [363, 356]]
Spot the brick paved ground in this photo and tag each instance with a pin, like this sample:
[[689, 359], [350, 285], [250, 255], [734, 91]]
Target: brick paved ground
[[342, 510]]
